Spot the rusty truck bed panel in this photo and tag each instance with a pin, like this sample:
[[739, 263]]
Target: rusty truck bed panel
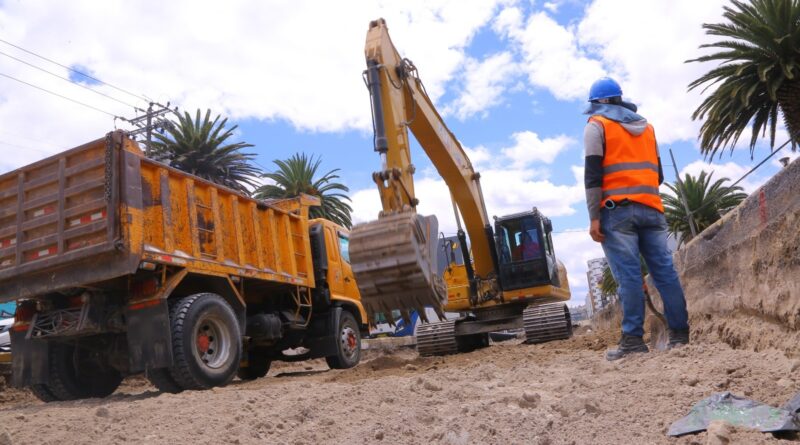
[[61, 212], [211, 229], [92, 213]]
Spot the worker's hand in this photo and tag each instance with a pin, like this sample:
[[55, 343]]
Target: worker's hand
[[595, 232]]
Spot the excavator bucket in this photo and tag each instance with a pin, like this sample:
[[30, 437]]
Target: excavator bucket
[[394, 263]]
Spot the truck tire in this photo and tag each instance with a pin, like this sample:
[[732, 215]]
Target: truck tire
[[163, 381], [43, 393], [348, 343], [75, 374], [257, 365], [206, 342]]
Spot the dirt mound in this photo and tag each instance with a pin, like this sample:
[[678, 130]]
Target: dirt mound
[[510, 393]]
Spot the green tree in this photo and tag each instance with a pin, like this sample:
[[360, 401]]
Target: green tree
[[609, 286], [758, 77], [706, 200], [298, 174], [201, 147]]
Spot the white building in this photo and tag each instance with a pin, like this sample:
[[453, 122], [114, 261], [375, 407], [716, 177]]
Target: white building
[[596, 301]]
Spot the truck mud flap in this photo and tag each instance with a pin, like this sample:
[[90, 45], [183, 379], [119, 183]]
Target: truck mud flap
[[29, 361], [149, 336], [322, 339]]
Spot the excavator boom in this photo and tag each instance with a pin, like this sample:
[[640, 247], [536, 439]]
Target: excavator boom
[[394, 258]]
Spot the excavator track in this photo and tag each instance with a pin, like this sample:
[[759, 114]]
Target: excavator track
[[438, 338], [394, 263], [547, 322]]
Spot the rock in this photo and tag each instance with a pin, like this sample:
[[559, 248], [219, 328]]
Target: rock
[[693, 381], [454, 438], [784, 382], [410, 367], [795, 365], [530, 400], [378, 435], [5, 438], [102, 412], [430, 386], [719, 433]]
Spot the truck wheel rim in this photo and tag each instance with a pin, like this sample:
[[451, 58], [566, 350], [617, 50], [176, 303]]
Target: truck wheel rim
[[349, 340], [212, 342]]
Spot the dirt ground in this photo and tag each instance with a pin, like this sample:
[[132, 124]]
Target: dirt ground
[[510, 393]]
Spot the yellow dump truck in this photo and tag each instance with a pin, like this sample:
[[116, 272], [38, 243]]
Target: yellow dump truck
[[120, 265]]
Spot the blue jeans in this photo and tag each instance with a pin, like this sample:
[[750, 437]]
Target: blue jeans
[[638, 229]]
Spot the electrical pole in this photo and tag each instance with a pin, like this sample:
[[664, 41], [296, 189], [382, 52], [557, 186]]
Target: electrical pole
[[153, 119], [682, 197]]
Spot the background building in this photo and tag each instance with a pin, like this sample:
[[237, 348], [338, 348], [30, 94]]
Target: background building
[[595, 300]]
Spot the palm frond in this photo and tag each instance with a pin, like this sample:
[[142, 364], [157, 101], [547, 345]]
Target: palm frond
[[758, 77], [297, 175]]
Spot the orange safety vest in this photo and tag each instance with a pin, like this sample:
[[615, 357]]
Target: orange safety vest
[[630, 165]]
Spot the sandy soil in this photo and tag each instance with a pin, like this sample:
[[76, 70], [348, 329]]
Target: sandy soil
[[511, 393]]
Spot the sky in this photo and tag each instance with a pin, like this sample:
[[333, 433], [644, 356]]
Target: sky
[[510, 77]]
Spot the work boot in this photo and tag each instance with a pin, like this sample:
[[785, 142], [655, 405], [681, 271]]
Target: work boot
[[678, 337], [628, 344]]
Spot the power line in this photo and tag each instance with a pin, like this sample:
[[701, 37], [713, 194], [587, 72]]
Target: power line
[[63, 97], [746, 174], [28, 138], [68, 80], [26, 147], [76, 71]]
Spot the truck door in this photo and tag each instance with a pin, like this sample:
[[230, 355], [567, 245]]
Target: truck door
[[335, 276], [350, 287]]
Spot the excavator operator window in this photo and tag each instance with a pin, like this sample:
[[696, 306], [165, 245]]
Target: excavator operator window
[[522, 249]]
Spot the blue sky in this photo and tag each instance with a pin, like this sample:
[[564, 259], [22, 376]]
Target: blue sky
[[510, 76]]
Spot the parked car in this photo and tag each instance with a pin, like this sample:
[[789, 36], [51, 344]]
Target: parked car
[[6, 320]]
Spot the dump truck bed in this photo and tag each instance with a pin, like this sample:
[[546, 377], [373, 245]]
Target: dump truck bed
[[91, 215]]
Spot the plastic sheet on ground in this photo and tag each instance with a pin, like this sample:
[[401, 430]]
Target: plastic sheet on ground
[[736, 411]]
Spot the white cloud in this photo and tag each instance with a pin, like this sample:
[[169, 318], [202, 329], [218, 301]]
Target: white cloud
[[551, 6], [529, 147], [574, 247], [265, 60], [730, 170], [550, 54], [478, 155], [484, 85], [644, 44], [506, 191]]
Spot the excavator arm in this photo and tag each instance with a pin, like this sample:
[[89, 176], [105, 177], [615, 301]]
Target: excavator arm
[[394, 257]]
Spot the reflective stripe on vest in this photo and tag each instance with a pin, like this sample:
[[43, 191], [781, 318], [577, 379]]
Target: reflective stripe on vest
[[630, 164]]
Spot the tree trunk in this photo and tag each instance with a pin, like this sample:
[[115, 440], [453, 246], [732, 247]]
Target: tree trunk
[[789, 102]]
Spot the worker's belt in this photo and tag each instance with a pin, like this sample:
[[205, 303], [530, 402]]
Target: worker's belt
[[611, 204]]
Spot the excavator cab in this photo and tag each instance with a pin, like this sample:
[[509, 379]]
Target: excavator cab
[[525, 251]]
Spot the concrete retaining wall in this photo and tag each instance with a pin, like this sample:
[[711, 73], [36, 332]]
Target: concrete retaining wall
[[746, 267]]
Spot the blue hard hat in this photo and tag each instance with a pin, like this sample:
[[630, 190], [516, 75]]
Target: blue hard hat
[[604, 88]]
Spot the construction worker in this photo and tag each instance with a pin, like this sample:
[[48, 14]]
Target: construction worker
[[623, 172]]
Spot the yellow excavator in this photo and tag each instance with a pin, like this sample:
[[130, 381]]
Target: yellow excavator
[[505, 276]]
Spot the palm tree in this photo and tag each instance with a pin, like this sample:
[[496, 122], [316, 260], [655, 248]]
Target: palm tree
[[707, 203], [298, 174], [758, 77], [200, 147], [608, 284]]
